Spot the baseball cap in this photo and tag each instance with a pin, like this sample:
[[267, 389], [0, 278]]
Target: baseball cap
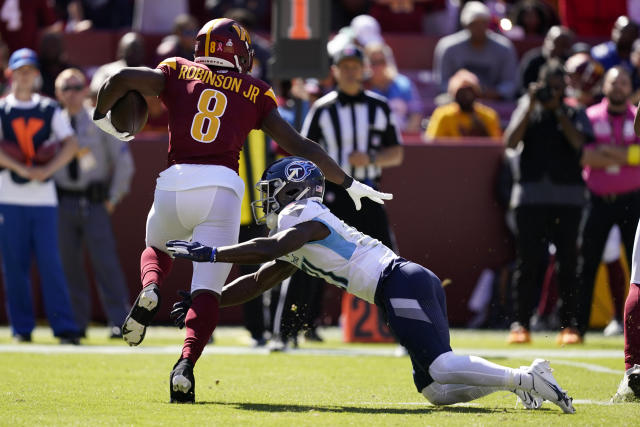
[[366, 30], [22, 57], [474, 10], [349, 51]]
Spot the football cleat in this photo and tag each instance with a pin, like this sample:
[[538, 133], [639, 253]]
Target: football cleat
[[546, 386], [569, 336], [629, 388], [144, 309], [528, 400], [182, 384]]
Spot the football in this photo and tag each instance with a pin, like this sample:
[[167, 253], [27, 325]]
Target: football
[[13, 150], [130, 113], [45, 153]]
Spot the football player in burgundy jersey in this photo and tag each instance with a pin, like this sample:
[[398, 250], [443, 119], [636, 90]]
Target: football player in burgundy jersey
[[213, 104]]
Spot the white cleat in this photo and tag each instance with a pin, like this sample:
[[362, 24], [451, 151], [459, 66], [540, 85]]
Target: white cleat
[[630, 381], [144, 309], [546, 386], [181, 384], [528, 400]]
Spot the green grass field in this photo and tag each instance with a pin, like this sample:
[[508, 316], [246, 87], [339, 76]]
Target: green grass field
[[104, 382]]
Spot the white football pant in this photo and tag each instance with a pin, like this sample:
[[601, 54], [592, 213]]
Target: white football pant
[[209, 215]]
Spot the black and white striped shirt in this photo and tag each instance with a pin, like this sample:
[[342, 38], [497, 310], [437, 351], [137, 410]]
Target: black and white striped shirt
[[343, 124]]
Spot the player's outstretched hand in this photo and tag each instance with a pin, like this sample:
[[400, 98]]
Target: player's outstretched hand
[[179, 312], [358, 190], [195, 251], [104, 123]]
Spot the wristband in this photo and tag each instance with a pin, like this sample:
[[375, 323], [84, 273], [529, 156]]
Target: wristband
[[214, 254], [633, 155], [347, 181]]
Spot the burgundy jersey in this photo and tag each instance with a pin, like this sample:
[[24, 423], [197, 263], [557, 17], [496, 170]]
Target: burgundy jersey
[[211, 112]]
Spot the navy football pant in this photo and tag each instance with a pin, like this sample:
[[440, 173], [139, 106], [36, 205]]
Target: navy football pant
[[413, 302], [27, 231]]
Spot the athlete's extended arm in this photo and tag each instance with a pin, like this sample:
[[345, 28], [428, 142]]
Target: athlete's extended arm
[[294, 143], [147, 81], [248, 287], [255, 251], [142, 79]]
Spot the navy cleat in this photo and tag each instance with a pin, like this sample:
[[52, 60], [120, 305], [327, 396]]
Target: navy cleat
[[182, 384], [144, 309]]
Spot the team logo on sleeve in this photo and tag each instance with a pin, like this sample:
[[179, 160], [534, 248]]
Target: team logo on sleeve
[[299, 170]]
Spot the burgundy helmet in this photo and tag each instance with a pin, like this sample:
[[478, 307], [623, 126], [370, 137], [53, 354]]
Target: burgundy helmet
[[224, 43]]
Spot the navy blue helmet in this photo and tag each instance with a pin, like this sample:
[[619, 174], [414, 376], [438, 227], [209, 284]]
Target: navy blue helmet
[[285, 181]]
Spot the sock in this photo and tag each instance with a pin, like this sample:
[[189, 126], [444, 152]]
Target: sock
[[450, 368], [448, 394], [632, 327], [617, 287], [155, 266], [201, 320]]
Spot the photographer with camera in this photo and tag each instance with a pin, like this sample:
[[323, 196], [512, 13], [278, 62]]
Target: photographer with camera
[[548, 196]]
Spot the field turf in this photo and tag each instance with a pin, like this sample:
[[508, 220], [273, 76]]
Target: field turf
[[104, 382]]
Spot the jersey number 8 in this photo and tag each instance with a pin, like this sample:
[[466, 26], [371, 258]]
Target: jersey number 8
[[206, 123]]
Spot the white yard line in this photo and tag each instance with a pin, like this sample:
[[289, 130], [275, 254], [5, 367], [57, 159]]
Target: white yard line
[[356, 352]]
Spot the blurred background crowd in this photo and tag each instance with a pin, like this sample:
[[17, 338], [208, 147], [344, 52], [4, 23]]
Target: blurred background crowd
[[553, 81]]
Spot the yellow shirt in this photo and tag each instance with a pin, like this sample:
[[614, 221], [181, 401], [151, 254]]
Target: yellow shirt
[[448, 121]]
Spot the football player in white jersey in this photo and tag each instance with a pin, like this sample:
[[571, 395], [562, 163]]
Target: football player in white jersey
[[306, 235]]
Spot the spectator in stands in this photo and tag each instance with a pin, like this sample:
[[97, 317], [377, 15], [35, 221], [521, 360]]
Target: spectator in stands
[[548, 196], [635, 72], [157, 16], [612, 174], [557, 44], [591, 18], [535, 17], [181, 41], [53, 59], [22, 21], [89, 189], [404, 16], [107, 14], [28, 204], [130, 54], [490, 56], [617, 51], [261, 46], [465, 116], [585, 75], [399, 90], [365, 30], [260, 10]]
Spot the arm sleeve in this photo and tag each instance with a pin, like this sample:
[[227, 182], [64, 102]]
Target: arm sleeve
[[123, 167], [168, 67], [438, 65], [266, 102], [60, 125]]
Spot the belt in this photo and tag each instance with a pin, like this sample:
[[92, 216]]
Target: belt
[[96, 192]]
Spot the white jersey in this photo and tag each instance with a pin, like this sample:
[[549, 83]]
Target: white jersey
[[346, 258]]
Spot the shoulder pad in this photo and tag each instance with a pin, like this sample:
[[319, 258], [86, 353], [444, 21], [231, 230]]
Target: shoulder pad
[[299, 212]]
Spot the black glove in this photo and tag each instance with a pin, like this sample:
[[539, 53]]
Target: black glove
[[179, 312], [195, 251]]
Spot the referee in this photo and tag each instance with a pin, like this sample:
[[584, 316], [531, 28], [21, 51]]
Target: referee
[[355, 127]]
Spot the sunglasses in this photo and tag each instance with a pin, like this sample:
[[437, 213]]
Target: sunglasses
[[75, 88]]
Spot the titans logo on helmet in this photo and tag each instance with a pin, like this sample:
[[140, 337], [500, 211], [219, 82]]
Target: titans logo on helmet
[[297, 171]]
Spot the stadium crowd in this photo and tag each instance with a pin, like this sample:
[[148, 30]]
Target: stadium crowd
[[554, 80]]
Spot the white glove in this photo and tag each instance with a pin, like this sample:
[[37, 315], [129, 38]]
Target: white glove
[[105, 124], [358, 190]]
